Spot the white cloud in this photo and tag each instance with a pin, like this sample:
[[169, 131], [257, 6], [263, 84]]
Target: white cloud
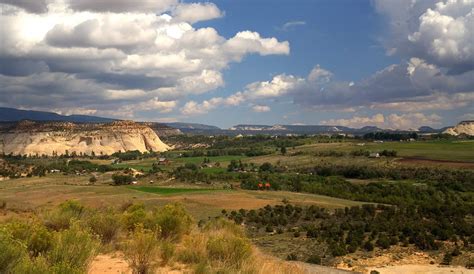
[[440, 32], [292, 24], [251, 42], [99, 54], [357, 121], [275, 88], [280, 85], [393, 121], [261, 108], [192, 107], [195, 12], [431, 102]]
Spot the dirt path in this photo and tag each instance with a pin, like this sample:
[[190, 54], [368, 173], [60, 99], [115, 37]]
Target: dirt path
[[108, 264]]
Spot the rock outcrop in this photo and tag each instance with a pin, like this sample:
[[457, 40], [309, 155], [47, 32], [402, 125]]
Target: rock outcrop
[[464, 127], [59, 138]]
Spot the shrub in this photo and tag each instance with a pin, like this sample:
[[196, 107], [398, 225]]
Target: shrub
[[167, 252], [292, 257], [38, 265], [173, 221], [119, 179], [225, 225], [40, 241], [135, 215], [73, 250], [106, 225], [314, 259], [11, 251], [18, 230], [92, 179], [383, 242], [447, 259], [194, 249], [229, 251], [141, 250], [368, 246], [61, 217]]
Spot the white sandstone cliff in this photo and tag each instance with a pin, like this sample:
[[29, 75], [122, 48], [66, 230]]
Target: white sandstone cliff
[[464, 127], [59, 138]]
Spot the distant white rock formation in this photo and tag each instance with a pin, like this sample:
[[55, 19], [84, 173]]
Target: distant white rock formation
[[59, 138], [464, 127]]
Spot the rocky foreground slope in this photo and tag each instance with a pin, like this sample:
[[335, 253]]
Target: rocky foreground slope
[[59, 138], [464, 127]]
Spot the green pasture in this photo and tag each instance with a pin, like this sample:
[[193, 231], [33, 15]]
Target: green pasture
[[433, 150], [462, 151]]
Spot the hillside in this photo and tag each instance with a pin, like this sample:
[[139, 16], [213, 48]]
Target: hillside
[[58, 138]]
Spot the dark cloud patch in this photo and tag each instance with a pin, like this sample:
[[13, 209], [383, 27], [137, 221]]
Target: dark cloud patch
[[33, 6], [155, 6], [396, 83], [21, 67], [130, 81]]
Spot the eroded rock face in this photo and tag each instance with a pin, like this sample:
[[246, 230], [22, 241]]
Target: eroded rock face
[[464, 127], [59, 138]]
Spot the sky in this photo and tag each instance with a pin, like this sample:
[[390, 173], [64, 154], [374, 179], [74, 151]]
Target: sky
[[393, 64]]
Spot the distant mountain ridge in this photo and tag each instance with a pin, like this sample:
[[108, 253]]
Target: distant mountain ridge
[[13, 114], [163, 129], [302, 129]]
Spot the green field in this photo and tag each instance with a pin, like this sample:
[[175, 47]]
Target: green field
[[169, 190], [433, 150], [462, 151]]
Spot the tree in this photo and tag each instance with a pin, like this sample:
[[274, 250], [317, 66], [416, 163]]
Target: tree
[[122, 179], [283, 150]]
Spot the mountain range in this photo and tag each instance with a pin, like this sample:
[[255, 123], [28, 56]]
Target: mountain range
[[12, 114]]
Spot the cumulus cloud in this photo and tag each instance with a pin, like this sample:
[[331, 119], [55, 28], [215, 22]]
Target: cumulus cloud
[[251, 42], [413, 86], [277, 87], [439, 32], [393, 121], [431, 102], [357, 121], [261, 108], [195, 12], [192, 107], [105, 55], [415, 81]]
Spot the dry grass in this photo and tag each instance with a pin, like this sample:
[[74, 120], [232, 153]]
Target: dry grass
[[33, 194]]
